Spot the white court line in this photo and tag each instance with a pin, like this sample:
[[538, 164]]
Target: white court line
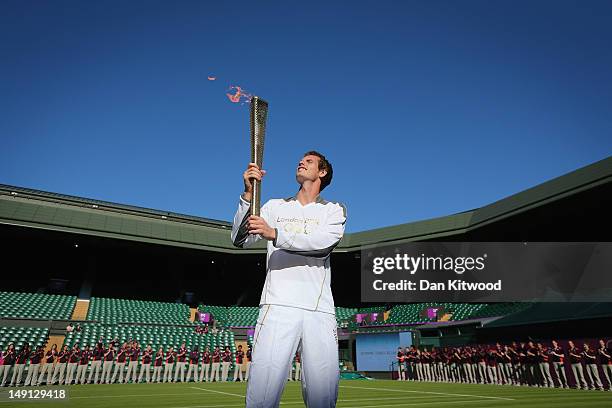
[[302, 401], [126, 395], [347, 400], [212, 406], [428, 392], [383, 399], [368, 399], [219, 392], [416, 403], [355, 400]]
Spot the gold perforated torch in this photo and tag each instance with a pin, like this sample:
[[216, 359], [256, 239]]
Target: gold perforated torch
[[259, 115]]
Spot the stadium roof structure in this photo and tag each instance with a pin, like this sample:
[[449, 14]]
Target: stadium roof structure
[[57, 212]]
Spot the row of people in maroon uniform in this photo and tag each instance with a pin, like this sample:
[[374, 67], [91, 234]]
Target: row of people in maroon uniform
[[122, 364], [530, 364]]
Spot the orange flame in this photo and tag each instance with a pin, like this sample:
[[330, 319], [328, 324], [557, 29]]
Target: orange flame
[[240, 96]]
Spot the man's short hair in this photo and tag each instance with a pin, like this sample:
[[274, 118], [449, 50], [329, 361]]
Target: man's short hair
[[323, 165]]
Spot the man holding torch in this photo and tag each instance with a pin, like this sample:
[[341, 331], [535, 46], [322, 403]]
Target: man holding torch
[[296, 307]]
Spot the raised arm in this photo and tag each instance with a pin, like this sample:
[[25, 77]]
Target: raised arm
[[240, 228], [241, 237]]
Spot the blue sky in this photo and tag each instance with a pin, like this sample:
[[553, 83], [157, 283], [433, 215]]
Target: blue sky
[[425, 108]]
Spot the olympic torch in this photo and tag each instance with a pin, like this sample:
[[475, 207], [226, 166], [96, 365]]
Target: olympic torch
[[259, 114]]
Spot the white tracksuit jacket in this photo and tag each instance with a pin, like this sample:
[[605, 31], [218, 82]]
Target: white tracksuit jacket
[[298, 268]]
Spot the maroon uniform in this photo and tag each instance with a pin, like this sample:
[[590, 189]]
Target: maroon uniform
[[589, 357], [239, 356], [134, 354], [23, 355], [206, 357], [50, 355], [63, 356], [482, 356], [574, 355], [182, 354], [146, 357], [194, 357], [522, 352], [216, 357], [492, 358], [559, 357], [110, 356], [542, 356], [602, 358], [532, 355], [400, 357], [170, 357], [37, 357], [85, 355], [501, 359], [475, 358], [121, 356], [249, 355], [9, 358], [227, 356], [411, 357], [159, 358], [75, 356], [98, 353], [514, 356]]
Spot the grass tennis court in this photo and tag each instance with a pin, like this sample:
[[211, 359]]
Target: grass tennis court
[[366, 394]]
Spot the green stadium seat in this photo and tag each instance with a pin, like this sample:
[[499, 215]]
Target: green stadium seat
[[116, 311], [20, 335], [36, 305]]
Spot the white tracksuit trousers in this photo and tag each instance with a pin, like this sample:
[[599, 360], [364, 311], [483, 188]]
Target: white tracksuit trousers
[[278, 333]]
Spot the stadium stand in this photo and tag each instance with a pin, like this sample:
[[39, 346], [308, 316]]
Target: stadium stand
[[373, 309], [345, 313], [106, 310], [242, 316], [500, 309], [344, 316], [403, 314], [413, 313], [157, 336], [36, 305], [219, 313], [35, 336]]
